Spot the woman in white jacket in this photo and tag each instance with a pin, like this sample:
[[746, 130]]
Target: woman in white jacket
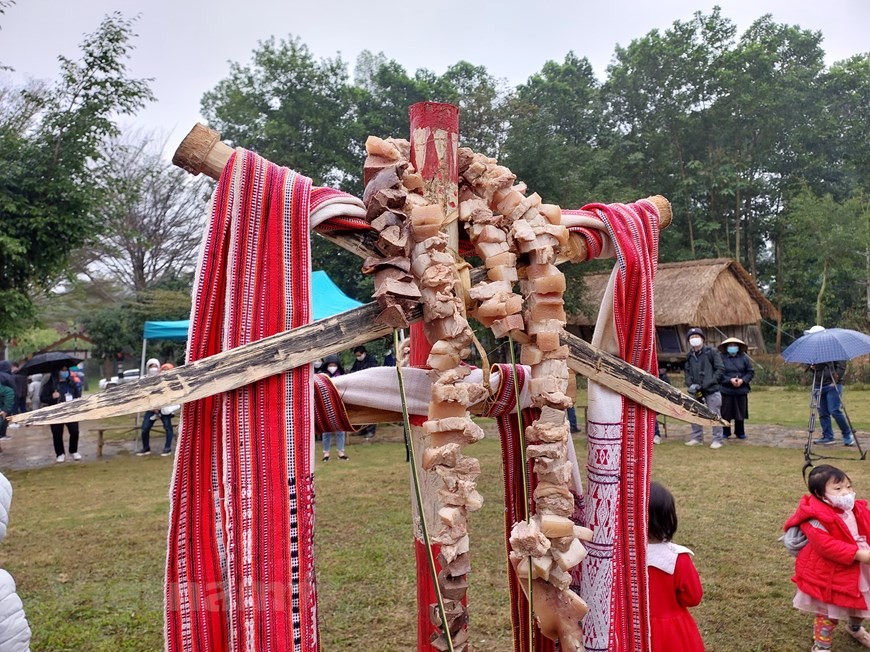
[[14, 630]]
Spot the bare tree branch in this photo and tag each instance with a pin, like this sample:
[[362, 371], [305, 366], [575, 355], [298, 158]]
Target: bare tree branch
[[151, 219]]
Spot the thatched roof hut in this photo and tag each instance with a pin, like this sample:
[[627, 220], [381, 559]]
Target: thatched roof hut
[[716, 294]]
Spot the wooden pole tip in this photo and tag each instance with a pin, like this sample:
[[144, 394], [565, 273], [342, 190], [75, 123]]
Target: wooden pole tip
[[664, 208], [194, 149]]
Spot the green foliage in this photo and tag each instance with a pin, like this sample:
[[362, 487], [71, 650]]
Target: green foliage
[[110, 330], [291, 108], [50, 153], [118, 330], [31, 341], [825, 243]]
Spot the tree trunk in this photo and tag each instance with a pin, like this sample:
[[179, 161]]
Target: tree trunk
[[777, 248], [821, 293], [679, 149], [737, 221], [750, 246]]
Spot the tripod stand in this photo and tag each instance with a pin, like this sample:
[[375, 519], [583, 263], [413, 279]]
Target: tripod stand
[[815, 399]]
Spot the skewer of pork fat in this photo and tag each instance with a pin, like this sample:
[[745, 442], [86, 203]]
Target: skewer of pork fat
[[503, 223], [449, 427], [390, 185]]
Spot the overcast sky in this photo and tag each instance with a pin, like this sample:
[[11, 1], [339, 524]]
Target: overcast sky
[[185, 45]]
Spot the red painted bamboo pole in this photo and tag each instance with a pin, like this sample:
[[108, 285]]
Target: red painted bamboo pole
[[434, 143]]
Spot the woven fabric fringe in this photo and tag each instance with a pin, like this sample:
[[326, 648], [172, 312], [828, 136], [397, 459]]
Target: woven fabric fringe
[[613, 580], [330, 415], [240, 571]]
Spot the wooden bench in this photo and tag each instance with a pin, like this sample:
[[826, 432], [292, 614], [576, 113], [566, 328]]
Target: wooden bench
[[101, 434], [137, 429]]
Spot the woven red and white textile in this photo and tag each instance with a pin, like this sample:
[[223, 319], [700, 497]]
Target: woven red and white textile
[[613, 576], [240, 570]]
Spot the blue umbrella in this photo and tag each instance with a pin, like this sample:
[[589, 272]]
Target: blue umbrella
[[827, 345]]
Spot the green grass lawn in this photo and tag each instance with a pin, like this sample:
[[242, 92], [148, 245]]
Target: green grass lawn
[[86, 544]]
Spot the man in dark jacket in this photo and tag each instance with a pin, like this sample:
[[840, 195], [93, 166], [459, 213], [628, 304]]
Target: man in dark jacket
[[831, 401], [7, 380], [7, 399], [364, 360], [20, 382], [704, 371]]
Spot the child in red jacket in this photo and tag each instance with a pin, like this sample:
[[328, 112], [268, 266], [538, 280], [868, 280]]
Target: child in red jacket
[[674, 585], [831, 571]]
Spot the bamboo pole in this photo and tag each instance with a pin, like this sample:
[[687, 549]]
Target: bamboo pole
[[434, 135], [284, 351]]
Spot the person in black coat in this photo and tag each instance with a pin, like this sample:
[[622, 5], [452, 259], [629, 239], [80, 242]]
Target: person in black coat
[[60, 388], [20, 382], [364, 360], [735, 386]]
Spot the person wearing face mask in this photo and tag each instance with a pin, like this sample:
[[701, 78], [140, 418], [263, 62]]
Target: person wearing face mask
[[152, 368], [61, 388], [735, 385], [333, 369], [362, 359], [832, 569], [703, 373]]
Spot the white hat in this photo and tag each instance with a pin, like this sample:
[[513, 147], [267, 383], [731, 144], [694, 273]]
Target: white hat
[[814, 329]]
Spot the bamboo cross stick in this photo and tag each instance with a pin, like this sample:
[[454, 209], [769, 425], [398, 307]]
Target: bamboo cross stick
[[202, 151], [284, 351]]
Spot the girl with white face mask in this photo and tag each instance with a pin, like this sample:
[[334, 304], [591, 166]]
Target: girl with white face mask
[[832, 571]]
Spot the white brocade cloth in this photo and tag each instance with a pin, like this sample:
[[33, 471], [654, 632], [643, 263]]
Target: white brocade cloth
[[378, 387], [810, 604]]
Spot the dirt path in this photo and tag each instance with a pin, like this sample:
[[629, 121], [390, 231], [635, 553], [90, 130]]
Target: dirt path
[[31, 447]]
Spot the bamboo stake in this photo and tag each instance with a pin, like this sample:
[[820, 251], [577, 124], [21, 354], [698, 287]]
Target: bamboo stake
[[284, 351]]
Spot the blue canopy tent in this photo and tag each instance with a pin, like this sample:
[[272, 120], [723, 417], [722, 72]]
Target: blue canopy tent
[[326, 298]]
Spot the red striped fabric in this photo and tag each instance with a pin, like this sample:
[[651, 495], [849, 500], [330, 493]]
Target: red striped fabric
[[240, 571], [634, 231]]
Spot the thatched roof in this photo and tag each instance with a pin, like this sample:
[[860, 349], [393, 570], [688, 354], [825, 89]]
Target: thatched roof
[[706, 293]]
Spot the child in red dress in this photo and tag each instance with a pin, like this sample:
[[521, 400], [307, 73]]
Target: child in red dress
[[674, 585], [831, 571]]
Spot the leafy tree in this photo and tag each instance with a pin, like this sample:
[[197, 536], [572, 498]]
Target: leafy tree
[[772, 79], [297, 111], [117, 331], [50, 153], [290, 108], [31, 341], [825, 243], [383, 93], [557, 141], [482, 102], [658, 93]]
